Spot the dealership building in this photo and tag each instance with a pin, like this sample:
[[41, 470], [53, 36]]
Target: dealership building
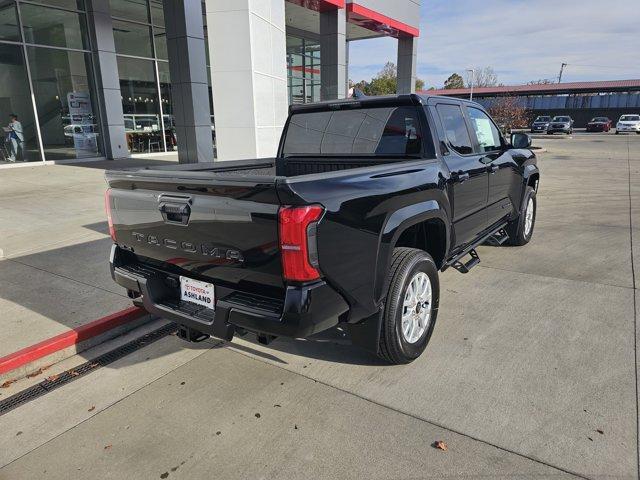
[[115, 78]]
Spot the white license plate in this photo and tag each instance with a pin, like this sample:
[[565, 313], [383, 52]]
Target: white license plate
[[195, 291]]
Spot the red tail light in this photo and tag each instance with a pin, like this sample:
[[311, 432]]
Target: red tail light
[[298, 242], [107, 207]]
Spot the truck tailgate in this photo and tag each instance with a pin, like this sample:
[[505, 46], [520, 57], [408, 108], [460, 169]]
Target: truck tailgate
[[218, 228]]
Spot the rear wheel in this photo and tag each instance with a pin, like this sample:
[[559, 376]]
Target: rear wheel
[[411, 306], [520, 230]]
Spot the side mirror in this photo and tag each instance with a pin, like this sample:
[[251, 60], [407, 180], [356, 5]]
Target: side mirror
[[520, 140]]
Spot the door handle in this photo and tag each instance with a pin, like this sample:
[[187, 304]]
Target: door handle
[[460, 176], [494, 168]]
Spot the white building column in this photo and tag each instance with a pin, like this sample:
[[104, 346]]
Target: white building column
[[333, 54], [189, 88], [407, 60], [247, 44]]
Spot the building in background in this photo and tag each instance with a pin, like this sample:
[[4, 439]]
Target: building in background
[[111, 78], [582, 101]]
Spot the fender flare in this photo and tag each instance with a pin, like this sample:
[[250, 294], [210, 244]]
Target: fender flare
[[397, 223], [529, 170]]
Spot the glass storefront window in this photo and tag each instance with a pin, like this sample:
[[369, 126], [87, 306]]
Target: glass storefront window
[[140, 104], [157, 12], [132, 39], [164, 78], [303, 70], [160, 39], [50, 26], [9, 21], [19, 142], [67, 109], [135, 10], [70, 4]]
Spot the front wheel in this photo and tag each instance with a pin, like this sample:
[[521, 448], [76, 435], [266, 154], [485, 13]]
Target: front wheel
[[411, 306], [520, 230]]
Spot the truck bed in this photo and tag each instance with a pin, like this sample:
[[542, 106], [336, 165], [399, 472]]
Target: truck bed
[[269, 167]]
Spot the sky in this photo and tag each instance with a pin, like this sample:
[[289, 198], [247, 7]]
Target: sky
[[522, 40]]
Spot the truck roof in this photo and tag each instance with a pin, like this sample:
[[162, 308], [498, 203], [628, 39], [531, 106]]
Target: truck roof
[[377, 101]]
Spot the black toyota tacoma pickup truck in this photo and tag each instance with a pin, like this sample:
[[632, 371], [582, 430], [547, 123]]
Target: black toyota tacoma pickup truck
[[349, 225]]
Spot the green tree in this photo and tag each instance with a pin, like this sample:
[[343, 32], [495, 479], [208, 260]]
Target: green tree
[[454, 81], [385, 82]]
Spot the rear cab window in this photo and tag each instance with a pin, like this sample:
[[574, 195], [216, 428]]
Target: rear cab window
[[362, 132]]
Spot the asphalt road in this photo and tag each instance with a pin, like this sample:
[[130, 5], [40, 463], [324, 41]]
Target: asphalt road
[[531, 371]]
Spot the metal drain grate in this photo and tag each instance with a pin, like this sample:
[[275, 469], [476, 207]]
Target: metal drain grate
[[51, 383]]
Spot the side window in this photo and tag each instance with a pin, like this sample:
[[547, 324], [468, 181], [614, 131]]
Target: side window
[[486, 132], [455, 128]]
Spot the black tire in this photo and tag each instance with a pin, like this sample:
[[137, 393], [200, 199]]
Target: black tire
[[617, 132], [405, 264], [516, 228]]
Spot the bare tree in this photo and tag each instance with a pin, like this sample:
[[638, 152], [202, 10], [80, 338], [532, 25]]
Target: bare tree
[[542, 81], [483, 77], [508, 113]]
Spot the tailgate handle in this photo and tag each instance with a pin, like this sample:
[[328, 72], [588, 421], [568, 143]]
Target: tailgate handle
[[177, 213]]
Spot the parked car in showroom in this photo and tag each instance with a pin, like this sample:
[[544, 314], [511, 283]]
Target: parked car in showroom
[[540, 124], [562, 124], [599, 124], [628, 123]]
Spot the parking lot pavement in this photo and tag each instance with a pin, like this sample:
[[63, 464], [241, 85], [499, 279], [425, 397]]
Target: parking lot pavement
[[531, 371], [54, 246]]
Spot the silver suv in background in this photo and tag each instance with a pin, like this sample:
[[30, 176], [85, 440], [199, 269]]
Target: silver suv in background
[[628, 123], [562, 124], [540, 124]]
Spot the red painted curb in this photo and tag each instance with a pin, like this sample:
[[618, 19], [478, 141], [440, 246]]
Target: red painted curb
[[67, 339]]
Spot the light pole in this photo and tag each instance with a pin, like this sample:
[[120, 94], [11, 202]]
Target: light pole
[[473, 76]]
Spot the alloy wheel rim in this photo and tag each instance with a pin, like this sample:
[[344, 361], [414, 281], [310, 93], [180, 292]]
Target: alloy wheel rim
[[528, 217], [416, 308]]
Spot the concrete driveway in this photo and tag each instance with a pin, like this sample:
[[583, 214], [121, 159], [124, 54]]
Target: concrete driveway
[[531, 372]]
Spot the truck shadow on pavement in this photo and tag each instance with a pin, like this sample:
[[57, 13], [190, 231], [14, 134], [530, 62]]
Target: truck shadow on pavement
[[333, 345]]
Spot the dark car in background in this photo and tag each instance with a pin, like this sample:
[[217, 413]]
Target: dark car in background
[[561, 124], [540, 124], [599, 124]]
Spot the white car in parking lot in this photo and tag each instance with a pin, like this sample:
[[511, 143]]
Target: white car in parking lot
[[628, 123]]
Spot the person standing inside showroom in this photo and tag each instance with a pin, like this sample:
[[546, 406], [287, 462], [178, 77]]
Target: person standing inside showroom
[[16, 137]]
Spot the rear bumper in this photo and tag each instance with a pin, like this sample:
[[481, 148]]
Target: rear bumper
[[305, 310]]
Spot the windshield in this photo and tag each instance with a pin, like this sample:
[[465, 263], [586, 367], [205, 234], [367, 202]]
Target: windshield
[[630, 118], [561, 119], [600, 119], [543, 119]]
